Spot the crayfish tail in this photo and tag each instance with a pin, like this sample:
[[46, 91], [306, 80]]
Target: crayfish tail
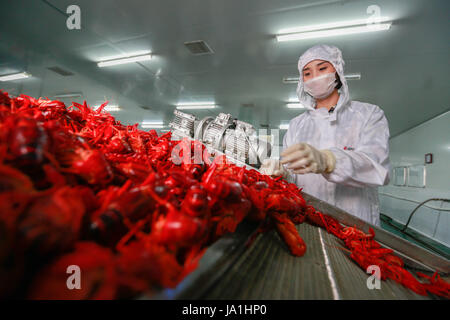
[[288, 232]]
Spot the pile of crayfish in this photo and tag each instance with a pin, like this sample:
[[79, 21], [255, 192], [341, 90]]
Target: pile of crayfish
[[135, 211]]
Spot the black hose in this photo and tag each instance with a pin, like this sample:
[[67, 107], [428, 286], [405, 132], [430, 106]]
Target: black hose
[[419, 241], [420, 204]]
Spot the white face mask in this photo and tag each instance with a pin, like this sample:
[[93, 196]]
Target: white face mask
[[322, 86]]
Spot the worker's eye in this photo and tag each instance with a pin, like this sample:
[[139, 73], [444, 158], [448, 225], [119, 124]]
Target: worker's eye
[[323, 68], [306, 74]]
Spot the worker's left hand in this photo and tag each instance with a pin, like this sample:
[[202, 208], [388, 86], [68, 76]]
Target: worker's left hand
[[272, 167], [303, 158]]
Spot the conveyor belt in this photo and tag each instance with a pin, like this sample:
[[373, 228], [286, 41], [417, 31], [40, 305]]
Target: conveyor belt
[[267, 270]]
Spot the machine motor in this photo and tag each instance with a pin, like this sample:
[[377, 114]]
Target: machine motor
[[236, 139]]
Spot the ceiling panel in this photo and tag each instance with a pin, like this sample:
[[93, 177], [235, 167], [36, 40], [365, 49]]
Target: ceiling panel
[[404, 70]]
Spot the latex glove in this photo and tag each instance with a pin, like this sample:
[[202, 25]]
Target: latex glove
[[303, 158], [272, 167]]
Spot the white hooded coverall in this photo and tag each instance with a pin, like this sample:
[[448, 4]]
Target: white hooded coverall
[[358, 135]]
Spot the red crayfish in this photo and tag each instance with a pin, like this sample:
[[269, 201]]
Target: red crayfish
[[78, 189]]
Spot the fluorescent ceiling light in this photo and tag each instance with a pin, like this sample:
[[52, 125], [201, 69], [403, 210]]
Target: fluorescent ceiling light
[[334, 29], [351, 76], [152, 124], [284, 126], [334, 25], [68, 95], [295, 106], [15, 76], [333, 32], [125, 55], [130, 59], [111, 108], [290, 80], [196, 105]]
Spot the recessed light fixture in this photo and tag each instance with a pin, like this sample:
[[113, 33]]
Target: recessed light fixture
[[152, 124], [284, 126], [196, 105], [334, 29], [15, 76], [128, 59], [350, 76]]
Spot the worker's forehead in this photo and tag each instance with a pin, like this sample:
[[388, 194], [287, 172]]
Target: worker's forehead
[[314, 63]]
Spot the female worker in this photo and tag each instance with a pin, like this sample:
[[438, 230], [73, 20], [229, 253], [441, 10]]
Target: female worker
[[338, 149]]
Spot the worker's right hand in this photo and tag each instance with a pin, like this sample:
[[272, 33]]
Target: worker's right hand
[[273, 167]]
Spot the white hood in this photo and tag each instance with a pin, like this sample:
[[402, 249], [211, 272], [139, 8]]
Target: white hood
[[333, 55]]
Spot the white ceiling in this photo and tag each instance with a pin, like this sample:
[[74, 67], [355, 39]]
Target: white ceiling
[[404, 70]]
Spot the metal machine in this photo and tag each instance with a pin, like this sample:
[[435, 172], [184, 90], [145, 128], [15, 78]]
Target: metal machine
[[234, 138]]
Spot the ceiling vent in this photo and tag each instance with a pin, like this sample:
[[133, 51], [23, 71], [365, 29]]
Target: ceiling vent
[[248, 105], [145, 107], [198, 47], [264, 125], [60, 71]]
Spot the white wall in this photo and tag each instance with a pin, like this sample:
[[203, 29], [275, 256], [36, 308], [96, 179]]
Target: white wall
[[409, 148]]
